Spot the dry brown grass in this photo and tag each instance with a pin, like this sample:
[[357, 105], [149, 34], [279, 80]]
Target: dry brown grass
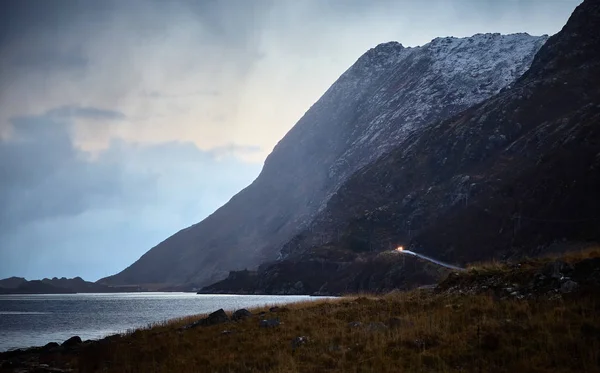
[[437, 333], [592, 251]]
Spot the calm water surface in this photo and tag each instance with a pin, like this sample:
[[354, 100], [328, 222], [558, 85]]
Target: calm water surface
[[34, 320]]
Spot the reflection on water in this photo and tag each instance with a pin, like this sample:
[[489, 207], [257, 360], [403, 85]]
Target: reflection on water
[[34, 320]]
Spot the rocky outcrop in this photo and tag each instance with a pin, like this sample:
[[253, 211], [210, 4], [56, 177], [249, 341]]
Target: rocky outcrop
[[527, 280], [217, 317], [241, 314], [390, 96]]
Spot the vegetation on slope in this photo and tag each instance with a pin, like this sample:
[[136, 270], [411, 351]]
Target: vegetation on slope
[[462, 325]]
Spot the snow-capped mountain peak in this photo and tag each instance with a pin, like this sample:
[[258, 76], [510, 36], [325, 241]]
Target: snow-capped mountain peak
[[390, 93]]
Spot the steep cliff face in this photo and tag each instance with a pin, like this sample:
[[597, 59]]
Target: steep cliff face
[[515, 174], [391, 94]]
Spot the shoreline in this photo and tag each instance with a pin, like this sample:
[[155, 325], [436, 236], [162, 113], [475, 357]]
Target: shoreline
[[535, 314], [268, 299]]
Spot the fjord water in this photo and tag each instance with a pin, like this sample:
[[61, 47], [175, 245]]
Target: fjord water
[[34, 320]]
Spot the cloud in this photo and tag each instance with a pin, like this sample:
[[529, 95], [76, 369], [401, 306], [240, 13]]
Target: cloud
[[234, 150], [216, 73], [58, 202], [73, 111], [49, 59], [162, 95], [124, 121]]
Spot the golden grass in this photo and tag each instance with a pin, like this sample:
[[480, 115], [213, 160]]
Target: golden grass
[[436, 333], [425, 332], [569, 257]]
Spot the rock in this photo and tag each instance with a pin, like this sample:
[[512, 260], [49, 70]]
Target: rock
[[217, 317], [241, 314], [557, 269], [278, 309], [568, 287], [299, 341], [72, 342], [269, 323]]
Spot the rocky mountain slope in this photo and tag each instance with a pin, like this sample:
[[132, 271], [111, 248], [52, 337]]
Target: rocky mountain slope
[[514, 175], [390, 95]]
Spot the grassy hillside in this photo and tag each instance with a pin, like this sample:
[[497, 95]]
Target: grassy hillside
[[469, 323]]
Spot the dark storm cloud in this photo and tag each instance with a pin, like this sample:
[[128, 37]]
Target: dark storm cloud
[[43, 175], [53, 194]]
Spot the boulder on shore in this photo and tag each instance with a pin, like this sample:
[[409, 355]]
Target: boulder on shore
[[241, 314], [217, 317]]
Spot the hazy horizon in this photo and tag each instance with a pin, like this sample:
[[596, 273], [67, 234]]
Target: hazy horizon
[[123, 122]]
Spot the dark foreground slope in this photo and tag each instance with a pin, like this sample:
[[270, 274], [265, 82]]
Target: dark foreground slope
[[515, 175], [390, 94], [532, 316]]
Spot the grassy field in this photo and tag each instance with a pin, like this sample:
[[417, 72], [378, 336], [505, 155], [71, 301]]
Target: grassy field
[[418, 331], [431, 333]]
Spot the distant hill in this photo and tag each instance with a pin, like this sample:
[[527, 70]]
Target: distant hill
[[19, 285], [12, 282], [35, 287]]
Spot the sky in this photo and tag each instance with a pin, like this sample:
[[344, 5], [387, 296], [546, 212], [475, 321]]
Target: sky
[[122, 122]]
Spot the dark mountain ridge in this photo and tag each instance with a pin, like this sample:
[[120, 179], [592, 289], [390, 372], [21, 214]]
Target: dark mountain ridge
[[19, 285]]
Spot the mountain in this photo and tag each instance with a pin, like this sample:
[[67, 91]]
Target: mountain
[[35, 287], [389, 96], [517, 174], [78, 285], [19, 285], [12, 282]]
